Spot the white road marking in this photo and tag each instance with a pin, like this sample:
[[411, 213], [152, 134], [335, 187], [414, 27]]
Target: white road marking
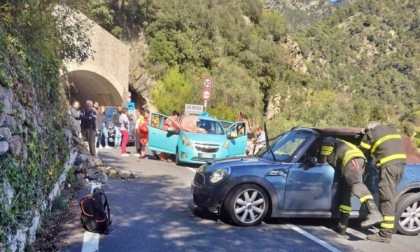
[[191, 169], [313, 238], [91, 240]]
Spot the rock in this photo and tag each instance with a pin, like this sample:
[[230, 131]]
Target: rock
[[10, 122], [15, 146], [101, 168], [83, 157], [84, 167], [78, 161], [94, 162], [6, 99], [5, 134], [125, 174], [20, 111], [113, 173], [4, 147], [94, 174], [80, 176], [10, 192]]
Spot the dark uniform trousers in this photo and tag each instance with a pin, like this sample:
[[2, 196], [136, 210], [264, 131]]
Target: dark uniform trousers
[[352, 182], [390, 176]]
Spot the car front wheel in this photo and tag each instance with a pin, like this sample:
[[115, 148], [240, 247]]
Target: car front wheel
[[246, 205], [408, 215]]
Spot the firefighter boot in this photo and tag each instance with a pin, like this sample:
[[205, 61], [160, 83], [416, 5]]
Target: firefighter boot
[[342, 224], [374, 216], [384, 235]]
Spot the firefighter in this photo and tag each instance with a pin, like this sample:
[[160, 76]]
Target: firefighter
[[350, 161], [384, 143]]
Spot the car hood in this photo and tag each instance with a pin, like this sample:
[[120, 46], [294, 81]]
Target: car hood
[[206, 138], [240, 162]]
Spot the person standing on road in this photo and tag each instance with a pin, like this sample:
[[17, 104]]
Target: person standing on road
[[75, 118], [88, 125], [144, 134], [102, 125], [117, 125], [384, 143], [171, 122], [124, 122], [348, 160], [139, 121]]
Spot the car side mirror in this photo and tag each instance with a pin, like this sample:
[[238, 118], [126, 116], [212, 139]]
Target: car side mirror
[[312, 162], [172, 130], [232, 135]]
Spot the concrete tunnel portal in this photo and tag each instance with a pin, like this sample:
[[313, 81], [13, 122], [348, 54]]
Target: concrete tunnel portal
[[87, 85]]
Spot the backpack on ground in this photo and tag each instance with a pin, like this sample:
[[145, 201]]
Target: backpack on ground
[[95, 215]]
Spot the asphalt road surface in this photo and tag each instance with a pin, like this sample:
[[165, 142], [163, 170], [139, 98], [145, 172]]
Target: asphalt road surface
[[155, 213]]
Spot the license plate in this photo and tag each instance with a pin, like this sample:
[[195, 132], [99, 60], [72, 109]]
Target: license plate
[[206, 155]]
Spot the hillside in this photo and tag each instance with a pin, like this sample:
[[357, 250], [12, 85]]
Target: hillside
[[359, 63], [302, 14]]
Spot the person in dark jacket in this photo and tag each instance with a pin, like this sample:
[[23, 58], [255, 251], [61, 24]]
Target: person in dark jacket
[[350, 162], [102, 128], [88, 125], [385, 145], [117, 126]]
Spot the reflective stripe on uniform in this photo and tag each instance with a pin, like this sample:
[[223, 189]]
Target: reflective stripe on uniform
[[326, 150], [353, 153], [390, 158], [366, 197], [389, 218], [386, 225], [365, 145], [383, 139], [345, 209]]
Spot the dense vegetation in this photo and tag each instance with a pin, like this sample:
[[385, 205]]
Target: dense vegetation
[[33, 45], [362, 60]]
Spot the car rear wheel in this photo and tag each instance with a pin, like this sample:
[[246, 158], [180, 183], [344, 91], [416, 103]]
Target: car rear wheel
[[246, 205], [408, 215]]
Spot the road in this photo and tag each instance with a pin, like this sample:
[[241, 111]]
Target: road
[[154, 213]]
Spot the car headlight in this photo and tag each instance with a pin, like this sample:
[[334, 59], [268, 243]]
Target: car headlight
[[186, 141], [219, 175], [225, 145]]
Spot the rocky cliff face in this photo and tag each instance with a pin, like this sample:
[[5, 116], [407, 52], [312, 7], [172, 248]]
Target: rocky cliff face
[[140, 80]]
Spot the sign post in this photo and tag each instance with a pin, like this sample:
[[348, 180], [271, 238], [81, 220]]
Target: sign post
[[206, 94]]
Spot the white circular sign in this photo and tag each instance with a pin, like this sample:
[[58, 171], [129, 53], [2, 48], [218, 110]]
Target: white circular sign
[[206, 95], [207, 83]]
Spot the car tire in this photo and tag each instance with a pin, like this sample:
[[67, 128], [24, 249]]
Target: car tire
[[408, 215], [177, 161], [246, 205]]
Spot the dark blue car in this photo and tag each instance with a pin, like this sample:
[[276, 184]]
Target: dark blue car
[[289, 182]]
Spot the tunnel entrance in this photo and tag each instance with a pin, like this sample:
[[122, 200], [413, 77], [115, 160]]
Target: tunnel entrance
[[87, 85]]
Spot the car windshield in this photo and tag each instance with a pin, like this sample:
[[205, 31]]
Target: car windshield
[[285, 145], [226, 124], [195, 124]]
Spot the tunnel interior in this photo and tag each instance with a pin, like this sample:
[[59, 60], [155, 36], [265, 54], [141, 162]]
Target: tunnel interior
[[87, 85]]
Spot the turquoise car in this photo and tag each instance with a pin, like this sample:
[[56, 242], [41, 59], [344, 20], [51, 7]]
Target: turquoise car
[[197, 140]]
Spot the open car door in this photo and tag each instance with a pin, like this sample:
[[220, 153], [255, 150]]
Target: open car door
[[161, 140], [237, 136]]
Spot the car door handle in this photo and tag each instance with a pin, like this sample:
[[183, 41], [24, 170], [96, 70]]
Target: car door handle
[[280, 172]]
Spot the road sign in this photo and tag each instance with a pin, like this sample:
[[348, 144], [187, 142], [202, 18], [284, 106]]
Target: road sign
[[207, 83], [206, 95], [193, 109]]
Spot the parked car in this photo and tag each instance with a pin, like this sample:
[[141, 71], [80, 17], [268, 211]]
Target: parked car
[[289, 182], [199, 139], [109, 112]]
